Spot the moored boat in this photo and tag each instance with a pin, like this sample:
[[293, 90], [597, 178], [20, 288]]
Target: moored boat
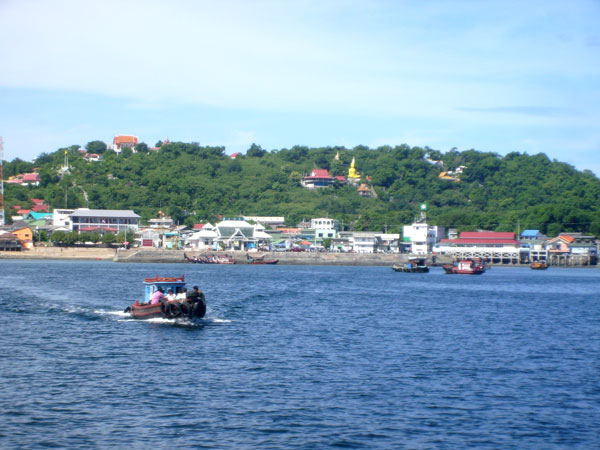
[[260, 260], [414, 265], [465, 267], [194, 305], [539, 265]]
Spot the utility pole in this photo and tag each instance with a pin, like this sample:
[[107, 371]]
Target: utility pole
[[2, 217]]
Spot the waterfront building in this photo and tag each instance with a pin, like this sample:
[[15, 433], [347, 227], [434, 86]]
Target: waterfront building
[[237, 234], [103, 220], [364, 241], [570, 249], [388, 242], [494, 247], [60, 217], [325, 226]]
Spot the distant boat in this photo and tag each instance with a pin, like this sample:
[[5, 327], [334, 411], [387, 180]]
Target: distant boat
[[465, 267], [539, 265], [260, 260], [414, 265]]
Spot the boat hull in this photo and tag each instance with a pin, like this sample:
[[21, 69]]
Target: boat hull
[[168, 310], [410, 269], [465, 267]]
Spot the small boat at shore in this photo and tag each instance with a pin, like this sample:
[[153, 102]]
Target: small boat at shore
[[539, 265], [465, 267], [414, 265], [260, 260], [194, 306]]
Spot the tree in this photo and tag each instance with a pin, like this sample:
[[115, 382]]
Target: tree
[[109, 238], [256, 150], [98, 147], [142, 147], [327, 243]]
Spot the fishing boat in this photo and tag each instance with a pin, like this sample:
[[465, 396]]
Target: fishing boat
[[414, 265], [260, 260], [465, 267], [539, 265], [194, 306]]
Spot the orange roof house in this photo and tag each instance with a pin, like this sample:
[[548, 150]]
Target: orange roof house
[[124, 141]]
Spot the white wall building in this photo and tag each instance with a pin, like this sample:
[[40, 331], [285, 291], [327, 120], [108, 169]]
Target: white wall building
[[423, 237], [60, 217], [364, 241]]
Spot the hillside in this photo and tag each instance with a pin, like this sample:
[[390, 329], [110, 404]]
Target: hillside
[[194, 183]]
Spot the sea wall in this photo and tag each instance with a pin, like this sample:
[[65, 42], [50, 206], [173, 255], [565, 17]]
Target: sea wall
[[290, 258], [61, 253]]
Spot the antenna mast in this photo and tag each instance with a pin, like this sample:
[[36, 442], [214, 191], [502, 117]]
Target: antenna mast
[[2, 218]]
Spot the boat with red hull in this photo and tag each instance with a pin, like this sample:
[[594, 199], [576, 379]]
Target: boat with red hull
[[465, 267], [539, 265], [193, 307]]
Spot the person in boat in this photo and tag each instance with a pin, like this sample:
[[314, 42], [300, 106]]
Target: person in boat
[[194, 295], [158, 295], [182, 295], [170, 295]]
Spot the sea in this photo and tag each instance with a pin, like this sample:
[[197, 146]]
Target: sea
[[300, 357]]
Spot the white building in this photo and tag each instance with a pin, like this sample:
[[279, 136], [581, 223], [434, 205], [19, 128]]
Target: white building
[[104, 220], [422, 237], [364, 241], [237, 234], [60, 217]]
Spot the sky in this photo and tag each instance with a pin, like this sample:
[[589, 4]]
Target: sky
[[494, 76]]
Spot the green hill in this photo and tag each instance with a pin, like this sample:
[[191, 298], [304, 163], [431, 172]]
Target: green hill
[[194, 183]]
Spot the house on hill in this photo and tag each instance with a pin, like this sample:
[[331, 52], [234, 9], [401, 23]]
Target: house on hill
[[121, 141], [318, 178]]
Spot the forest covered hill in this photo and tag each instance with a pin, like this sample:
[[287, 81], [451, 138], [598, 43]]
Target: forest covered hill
[[194, 183]]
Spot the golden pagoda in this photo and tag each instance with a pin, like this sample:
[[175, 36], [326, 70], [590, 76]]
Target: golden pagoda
[[353, 175]]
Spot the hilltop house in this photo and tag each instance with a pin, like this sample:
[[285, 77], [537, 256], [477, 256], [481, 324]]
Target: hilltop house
[[120, 142], [318, 178]]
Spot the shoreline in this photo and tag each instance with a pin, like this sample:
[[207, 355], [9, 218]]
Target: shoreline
[[145, 255]]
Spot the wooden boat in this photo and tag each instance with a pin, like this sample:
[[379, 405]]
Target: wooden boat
[[414, 265], [194, 306], [465, 267], [539, 265], [260, 260]]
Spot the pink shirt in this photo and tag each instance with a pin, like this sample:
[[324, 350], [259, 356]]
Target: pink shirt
[[156, 297]]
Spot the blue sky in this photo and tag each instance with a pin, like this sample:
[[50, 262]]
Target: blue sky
[[496, 76]]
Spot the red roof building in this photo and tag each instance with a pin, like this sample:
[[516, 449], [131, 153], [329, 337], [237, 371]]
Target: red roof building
[[494, 247], [318, 178], [124, 141]]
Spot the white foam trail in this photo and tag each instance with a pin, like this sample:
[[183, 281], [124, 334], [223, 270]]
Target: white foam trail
[[218, 320]]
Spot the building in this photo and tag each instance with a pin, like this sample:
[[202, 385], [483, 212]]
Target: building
[[528, 235], [237, 234], [364, 241], [572, 249], [60, 217], [31, 179], [203, 238], [104, 220], [494, 247], [318, 178], [422, 237], [120, 142], [388, 242]]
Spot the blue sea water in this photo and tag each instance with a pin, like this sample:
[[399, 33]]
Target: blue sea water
[[300, 357]]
